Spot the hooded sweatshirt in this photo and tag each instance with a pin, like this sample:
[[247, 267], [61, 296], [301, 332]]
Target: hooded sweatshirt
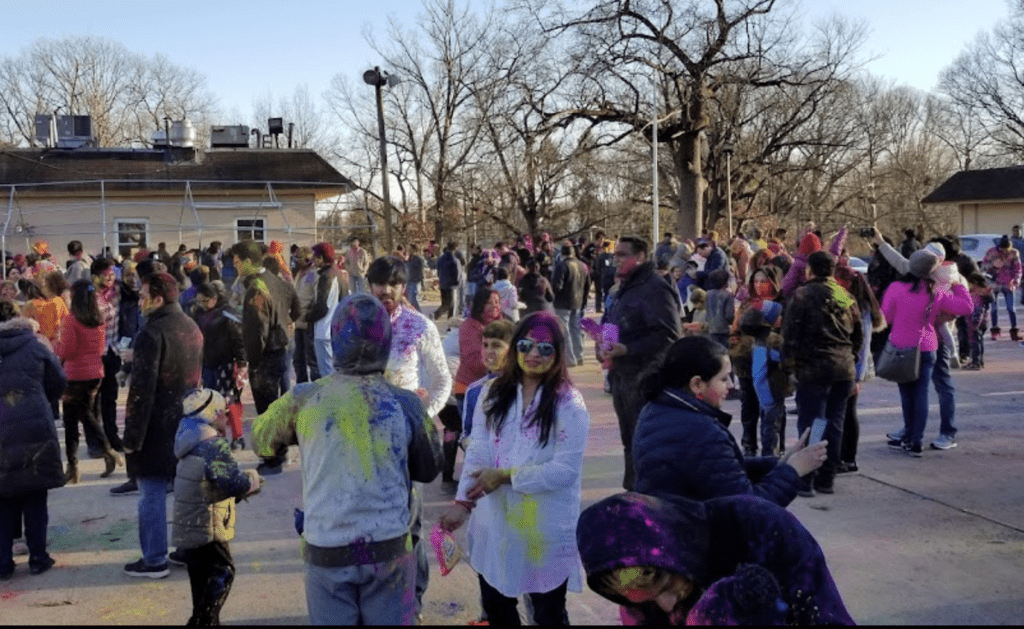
[[363, 440], [705, 542]]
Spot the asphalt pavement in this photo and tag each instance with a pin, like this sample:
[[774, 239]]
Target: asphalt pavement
[[936, 540]]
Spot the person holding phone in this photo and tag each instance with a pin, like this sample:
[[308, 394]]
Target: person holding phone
[[682, 446]]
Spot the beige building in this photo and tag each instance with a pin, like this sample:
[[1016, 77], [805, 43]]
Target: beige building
[[990, 201], [125, 199]]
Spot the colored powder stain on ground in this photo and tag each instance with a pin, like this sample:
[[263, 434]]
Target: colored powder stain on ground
[[6, 596], [523, 518]]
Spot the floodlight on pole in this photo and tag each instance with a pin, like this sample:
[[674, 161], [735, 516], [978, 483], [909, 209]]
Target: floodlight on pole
[[378, 79]]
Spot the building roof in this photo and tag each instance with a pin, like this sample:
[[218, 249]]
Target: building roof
[[159, 170], [977, 186]]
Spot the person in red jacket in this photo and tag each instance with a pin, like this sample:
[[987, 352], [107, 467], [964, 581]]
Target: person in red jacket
[[80, 348]]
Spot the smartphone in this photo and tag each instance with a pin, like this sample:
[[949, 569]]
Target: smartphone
[[817, 431]]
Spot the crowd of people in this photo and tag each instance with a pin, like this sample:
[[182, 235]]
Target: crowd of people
[[341, 361]]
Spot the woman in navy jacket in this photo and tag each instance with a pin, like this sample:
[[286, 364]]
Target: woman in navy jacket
[[31, 379], [681, 446]]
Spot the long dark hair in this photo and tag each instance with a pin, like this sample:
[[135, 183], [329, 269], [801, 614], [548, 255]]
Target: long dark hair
[[83, 304], [688, 357], [915, 283], [503, 392], [480, 299]]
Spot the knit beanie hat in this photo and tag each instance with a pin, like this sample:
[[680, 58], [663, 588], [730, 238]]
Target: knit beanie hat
[[937, 249], [204, 404], [922, 263], [810, 244]]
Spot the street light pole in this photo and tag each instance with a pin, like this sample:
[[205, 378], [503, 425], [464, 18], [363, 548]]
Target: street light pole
[[379, 79], [728, 149], [656, 223]]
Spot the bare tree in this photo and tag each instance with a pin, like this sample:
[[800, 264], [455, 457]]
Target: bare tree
[[126, 94]]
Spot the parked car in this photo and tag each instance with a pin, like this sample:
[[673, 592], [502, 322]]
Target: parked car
[[975, 245], [858, 264]]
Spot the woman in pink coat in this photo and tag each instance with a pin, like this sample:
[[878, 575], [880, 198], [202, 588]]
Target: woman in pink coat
[[912, 303], [80, 348]]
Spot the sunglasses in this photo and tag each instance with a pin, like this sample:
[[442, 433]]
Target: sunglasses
[[525, 346]]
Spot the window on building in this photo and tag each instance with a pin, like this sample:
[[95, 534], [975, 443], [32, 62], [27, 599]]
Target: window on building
[[132, 235], [249, 229]]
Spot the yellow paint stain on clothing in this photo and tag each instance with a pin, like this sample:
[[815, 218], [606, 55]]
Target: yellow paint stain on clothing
[[523, 518]]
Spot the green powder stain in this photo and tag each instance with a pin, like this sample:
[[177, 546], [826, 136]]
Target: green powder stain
[[523, 518]]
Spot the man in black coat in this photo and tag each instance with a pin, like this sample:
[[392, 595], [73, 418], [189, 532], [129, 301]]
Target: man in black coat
[[646, 310], [167, 363], [571, 282]]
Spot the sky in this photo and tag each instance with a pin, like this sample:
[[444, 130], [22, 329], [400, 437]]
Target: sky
[[248, 49]]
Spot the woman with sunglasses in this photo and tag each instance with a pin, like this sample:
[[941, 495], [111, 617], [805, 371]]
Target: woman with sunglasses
[[521, 479]]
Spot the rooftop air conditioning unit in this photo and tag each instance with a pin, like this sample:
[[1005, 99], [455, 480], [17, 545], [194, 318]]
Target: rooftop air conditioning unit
[[74, 132], [235, 136]]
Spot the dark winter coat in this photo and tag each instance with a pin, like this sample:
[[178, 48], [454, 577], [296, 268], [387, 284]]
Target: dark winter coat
[[821, 338], [31, 379], [646, 309], [414, 269], [318, 309], [167, 364], [222, 336], [449, 270], [206, 483], [716, 260], [682, 448], [570, 282], [128, 316], [535, 291], [269, 306], [706, 542]]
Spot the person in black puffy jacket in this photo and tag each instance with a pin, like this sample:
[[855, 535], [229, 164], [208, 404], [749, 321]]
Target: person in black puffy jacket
[[681, 446], [31, 379]]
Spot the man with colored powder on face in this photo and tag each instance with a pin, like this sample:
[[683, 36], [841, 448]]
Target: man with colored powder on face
[[167, 363], [363, 441], [267, 310], [416, 363]]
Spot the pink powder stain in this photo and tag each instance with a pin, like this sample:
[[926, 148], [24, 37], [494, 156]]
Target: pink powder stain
[[6, 596]]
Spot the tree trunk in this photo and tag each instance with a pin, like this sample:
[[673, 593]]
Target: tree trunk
[[690, 202]]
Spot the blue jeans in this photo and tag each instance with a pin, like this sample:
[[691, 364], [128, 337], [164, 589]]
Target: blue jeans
[[380, 593], [828, 400], [942, 379], [914, 398], [152, 512], [1008, 297], [358, 283], [574, 335], [412, 291], [324, 356]]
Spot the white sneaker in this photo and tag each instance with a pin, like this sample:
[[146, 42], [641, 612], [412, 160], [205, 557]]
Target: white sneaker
[[944, 442], [897, 435]]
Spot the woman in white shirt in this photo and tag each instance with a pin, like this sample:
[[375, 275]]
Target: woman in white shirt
[[521, 479]]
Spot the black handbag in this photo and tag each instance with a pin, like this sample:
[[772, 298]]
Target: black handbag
[[902, 365]]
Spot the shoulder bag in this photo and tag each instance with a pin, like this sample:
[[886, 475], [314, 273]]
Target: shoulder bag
[[902, 365]]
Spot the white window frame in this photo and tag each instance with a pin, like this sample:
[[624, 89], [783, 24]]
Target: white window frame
[[249, 231], [131, 221]]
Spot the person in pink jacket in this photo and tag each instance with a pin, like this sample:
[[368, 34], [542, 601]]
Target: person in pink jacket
[[912, 304], [1002, 262], [80, 348]]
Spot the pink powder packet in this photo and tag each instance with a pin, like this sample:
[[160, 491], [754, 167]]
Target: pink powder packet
[[447, 551], [609, 335], [592, 328]]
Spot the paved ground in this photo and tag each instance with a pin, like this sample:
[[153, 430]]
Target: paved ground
[[909, 541]]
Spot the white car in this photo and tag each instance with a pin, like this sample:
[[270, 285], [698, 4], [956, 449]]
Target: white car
[[976, 245], [858, 265]]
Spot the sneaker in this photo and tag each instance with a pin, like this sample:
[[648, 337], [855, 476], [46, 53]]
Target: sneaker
[[20, 547], [140, 569], [804, 490], [944, 442], [897, 435], [915, 450], [238, 444], [847, 467], [822, 488], [126, 488], [265, 469], [896, 444], [177, 557], [42, 566]]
